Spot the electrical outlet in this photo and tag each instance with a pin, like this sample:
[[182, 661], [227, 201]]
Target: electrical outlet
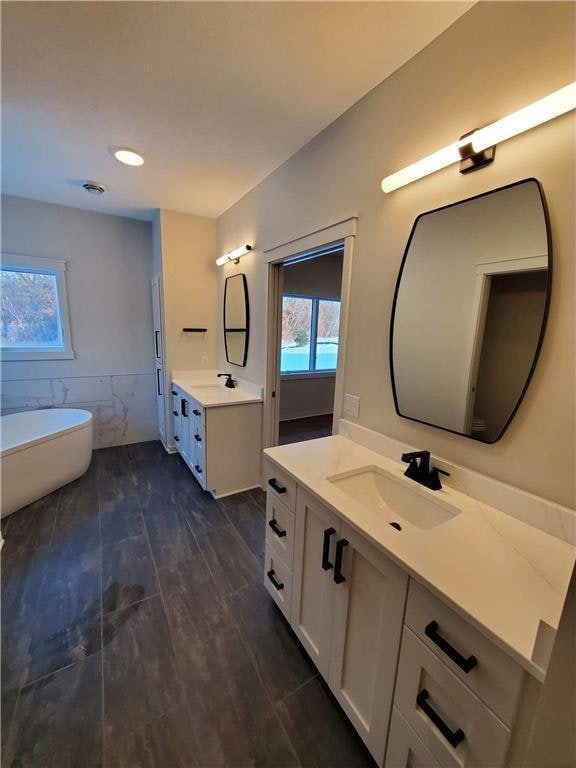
[[351, 406]]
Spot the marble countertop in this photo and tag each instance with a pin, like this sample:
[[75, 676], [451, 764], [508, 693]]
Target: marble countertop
[[501, 574], [211, 392]]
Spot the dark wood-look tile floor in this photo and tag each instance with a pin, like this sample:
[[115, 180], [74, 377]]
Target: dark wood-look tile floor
[[298, 430], [136, 632]]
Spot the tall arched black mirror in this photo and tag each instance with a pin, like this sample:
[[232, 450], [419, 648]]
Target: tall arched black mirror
[[236, 319], [470, 310]]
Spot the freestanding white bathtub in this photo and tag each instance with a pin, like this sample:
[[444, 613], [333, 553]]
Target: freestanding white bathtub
[[40, 451]]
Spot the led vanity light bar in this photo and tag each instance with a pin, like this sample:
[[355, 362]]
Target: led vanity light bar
[[554, 105], [233, 255]]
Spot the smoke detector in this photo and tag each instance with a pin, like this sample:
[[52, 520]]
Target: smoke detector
[[94, 188]]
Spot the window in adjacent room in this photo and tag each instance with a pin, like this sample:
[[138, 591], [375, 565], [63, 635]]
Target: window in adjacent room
[[34, 309], [310, 328]]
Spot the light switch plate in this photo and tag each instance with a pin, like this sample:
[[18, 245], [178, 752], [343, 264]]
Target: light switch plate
[[351, 406]]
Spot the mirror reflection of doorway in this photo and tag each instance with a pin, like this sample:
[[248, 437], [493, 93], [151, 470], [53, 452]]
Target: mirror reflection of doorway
[[308, 351], [514, 313]]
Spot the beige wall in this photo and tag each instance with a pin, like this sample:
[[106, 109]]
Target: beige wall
[[303, 396], [187, 245], [494, 60]]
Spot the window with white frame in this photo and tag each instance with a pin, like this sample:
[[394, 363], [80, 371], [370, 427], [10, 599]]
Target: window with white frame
[[310, 330], [34, 309]]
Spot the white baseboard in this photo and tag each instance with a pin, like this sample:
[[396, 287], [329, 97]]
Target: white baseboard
[[307, 415]]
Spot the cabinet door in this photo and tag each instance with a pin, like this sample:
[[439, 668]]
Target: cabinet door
[[185, 429], [366, 631], [312, 586], [405, 750], [160, 409], [157, 317], [176, 418]]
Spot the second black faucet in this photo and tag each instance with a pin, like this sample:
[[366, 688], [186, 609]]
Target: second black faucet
[[229, 380]]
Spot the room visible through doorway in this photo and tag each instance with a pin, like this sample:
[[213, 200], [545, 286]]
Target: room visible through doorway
[[309, 345]]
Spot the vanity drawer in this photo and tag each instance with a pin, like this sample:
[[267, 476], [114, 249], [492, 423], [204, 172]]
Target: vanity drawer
[[278, 579], [280, 484], [280, 528], [405, 750], [495, 678], [451, 721]]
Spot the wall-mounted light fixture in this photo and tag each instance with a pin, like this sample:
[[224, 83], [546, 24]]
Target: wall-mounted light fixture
[[233, 255], [476, 149]]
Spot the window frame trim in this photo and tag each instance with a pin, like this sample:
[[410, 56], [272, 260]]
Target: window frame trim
[[312, 372], [57, 268]]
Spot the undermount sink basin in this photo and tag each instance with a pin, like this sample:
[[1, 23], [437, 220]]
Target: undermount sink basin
[[396, 497]]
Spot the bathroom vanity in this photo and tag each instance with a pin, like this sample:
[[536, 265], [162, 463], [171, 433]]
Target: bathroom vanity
[[429, 614], [217, 431]]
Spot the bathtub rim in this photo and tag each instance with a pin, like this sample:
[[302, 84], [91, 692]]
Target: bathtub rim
[[86, 422]]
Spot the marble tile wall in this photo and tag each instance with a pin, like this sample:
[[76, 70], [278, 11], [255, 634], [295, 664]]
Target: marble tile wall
[[124, 407]]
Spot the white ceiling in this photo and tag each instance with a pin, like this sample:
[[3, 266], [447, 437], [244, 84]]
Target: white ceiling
[[215, 95]]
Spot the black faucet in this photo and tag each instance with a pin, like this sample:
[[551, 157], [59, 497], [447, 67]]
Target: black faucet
[[229, 380], [419, 470]]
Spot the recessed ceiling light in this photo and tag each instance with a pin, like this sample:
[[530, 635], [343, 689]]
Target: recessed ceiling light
[[128, 157]]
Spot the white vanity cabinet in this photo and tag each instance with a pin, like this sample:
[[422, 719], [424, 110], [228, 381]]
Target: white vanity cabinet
[[347, 606], [421, 685], [220, 445]]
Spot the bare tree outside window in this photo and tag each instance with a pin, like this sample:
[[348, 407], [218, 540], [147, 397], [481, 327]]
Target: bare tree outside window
[[29, 309], [310, 328]]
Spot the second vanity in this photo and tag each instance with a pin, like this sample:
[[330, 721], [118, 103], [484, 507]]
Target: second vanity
[[217, 431], [432, 633]]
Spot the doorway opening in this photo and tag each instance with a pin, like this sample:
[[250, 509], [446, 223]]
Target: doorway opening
[[309, 303]]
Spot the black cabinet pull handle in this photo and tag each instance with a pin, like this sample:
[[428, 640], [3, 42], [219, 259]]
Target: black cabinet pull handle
[[183, 405], [156, 343], [198, 468], [158, 390], [175, 413], [198, 438], [465, 664], [338, 577], [176, 438], [273, 483], [452, 737], [174, 392], [328, 533], [276, 528], [278, 585], [195, 412]]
